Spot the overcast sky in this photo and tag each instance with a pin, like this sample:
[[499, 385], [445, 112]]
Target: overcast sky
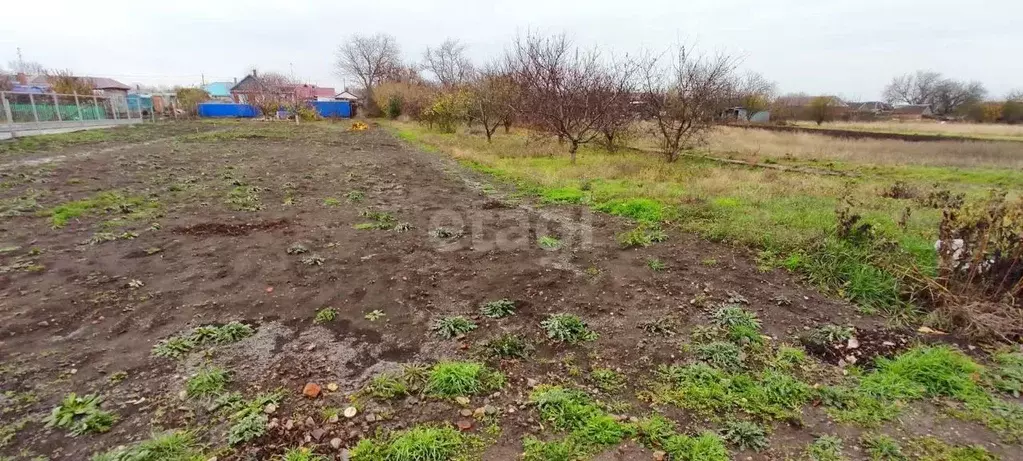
[[851, 48]]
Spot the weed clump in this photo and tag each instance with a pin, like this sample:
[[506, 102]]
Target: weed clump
[[420, 443], [168, 446], [247, 419], [325, 315], [507, 346], [745, 435], [567, 328], [825, 448], [80, 415], [180, 345], [498, 309], [453, 327], [208, 382], [642, 235]]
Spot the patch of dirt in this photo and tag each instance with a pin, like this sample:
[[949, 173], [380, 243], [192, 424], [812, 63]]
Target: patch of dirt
[[864, 347], [233, 230], [95, 311]]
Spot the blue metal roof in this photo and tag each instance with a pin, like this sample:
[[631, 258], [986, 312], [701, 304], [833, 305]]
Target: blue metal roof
[[219, 89]]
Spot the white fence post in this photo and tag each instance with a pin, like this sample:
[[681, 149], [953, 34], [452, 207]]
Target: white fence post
[[32, 102], [56, 108], [7, 108], [79, 106]]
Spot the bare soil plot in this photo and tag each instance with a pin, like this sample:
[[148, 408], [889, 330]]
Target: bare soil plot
[[104, 256]]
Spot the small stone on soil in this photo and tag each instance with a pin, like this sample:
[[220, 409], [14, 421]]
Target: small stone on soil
[[317, 434], [350, 412], [465, 412], [462, 400], [530, 382], [311, 390], [464, 425], [332, 387], [371, 418], [270, 408], [335, 443]]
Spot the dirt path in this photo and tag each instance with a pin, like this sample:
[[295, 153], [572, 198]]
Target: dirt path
[[212, 247]]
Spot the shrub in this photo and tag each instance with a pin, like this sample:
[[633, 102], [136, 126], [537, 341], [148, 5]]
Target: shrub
[[447, 111], [567, 328]]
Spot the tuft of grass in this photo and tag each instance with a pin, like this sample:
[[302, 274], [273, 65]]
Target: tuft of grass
[[109, 202], [881, 447], [208, 382], [387, 386], [331, 202], [302, 454], [789, 358], [655, 264], [247, 420], [355, 196], [498, 309], [567, 328], [167, 446], [829, 334], [1007, 373], [453, 327], [708, 390], [325, 315], [642, 235], [548, 243], [924, 370], [80, 415], [507, 346], [375, 315], [745, 435], [567, 449], [174, 347], [933, 449], [607, 379], [642, 210], [720, 354], [420, 443], [454, 379], [825, 448], [729, 316]]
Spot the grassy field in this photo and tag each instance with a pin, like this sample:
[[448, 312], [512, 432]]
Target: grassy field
[[790, 217], [969, 130]]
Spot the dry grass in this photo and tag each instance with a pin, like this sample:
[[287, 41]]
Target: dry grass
[[752, 144], [974, 130]]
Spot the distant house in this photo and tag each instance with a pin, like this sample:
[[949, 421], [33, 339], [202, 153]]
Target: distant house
[[346, 96], [220, 91], [741, 113], [871, 107], [913, 112], [250, 89], [797, 107], [101, 86]]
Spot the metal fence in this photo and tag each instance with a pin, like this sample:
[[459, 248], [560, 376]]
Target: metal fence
[[45, 108]]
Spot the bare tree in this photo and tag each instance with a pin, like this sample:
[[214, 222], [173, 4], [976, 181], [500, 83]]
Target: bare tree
[[754, 93], [951, 96], [19, 66], [683, 93], [448, 63], [945, 95], [270, 91], [368, 59], [492, 95], [566, 91], [1015, 95], [6, 82]]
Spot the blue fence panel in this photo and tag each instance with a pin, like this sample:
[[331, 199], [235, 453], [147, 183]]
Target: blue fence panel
[[341, 109], [227, 110]]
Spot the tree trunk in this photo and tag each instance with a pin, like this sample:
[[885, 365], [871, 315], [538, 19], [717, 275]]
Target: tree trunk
[[486, 129], [507, 126], [561, 139], [572, 149]]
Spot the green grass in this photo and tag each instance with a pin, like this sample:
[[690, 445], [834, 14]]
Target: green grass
[[453, 327], [1006, 374], [880, 447], [302, 454], [420, 443], [498, 309], [207, 383], [607, 379], [548, 243], [567, 328], [178, 346], [932, 449], [745, 435], [325, 315], [790, 214], [167, 446], [387, 386], [507, 346], [825, 448], [112, 203], [248, 420], [80, 415], [454, 379], [731, 315], [655, 264], [720, 354], [714, 392]]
